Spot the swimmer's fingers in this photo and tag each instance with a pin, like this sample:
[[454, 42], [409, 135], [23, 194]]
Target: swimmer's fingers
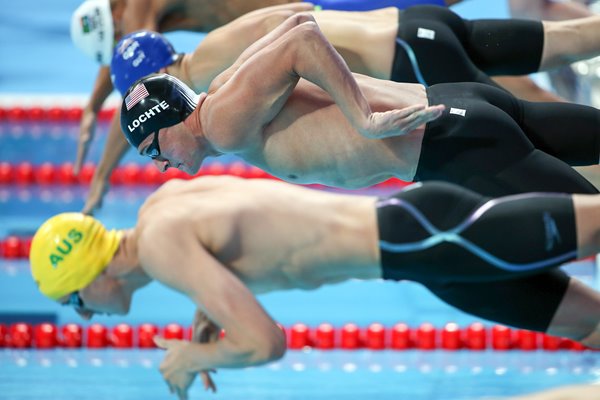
[[93, 202], [87, 129], [182, 384], [421, 117], [182, 393], [390, 123], [403, 121], [207, 381], [203, 329], [408, 111], [174, 366]]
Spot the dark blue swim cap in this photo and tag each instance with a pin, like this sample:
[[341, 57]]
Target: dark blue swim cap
[[139, 54], [153, 103]]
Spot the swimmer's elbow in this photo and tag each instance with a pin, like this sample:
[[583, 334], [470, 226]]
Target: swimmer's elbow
[[270, 348], [255, 351], [277, 347]]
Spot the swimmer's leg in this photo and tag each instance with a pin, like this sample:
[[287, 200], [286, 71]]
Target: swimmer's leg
[[440, 232], [570, 132], [527, 303], [578, 315], [491, 46], [551, 302], [517, 46], [568, 41], [536, 172]]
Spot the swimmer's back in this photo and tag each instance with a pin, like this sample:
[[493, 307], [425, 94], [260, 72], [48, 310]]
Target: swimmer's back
[[210, 14], [273, 235]]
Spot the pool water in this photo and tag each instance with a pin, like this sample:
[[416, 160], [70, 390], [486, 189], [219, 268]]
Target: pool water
[[133, 374], [359, 375]]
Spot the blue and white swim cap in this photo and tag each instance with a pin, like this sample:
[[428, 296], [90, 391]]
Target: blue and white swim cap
[[139, 54]]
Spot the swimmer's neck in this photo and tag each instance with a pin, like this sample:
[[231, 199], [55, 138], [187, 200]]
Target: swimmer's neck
[[193, 121], [125, 264], [180, 70]]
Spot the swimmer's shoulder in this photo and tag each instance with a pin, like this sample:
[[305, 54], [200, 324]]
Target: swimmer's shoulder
[[173, 188]]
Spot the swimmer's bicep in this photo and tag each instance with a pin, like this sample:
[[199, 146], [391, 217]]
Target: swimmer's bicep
[[252, 97], [183, 264], [230, 304]]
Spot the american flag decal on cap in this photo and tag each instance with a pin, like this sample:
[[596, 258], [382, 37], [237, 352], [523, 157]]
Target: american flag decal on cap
[[136, 95]]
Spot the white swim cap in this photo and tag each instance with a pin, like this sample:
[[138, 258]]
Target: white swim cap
[[92, 30]]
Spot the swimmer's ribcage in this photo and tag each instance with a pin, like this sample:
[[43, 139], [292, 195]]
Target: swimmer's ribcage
[[454, 236]]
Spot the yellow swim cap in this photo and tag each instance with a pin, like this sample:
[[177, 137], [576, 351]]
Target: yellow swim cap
[[69, 251]]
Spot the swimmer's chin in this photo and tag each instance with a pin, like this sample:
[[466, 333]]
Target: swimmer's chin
[[189, 170], [183, 168]]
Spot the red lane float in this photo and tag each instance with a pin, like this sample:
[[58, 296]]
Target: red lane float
[[25, 173], [425, 337], [19, 114]]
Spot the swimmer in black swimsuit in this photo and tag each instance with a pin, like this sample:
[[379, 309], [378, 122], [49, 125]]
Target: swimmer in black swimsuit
[[229, 239], [485, 139], [453, 49]]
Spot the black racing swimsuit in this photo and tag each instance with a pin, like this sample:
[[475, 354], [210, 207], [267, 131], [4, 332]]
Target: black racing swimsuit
[[447, 48], [493, 258], [491, 142]]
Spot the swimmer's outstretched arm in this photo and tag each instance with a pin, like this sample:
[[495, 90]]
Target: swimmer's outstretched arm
[[87, 126], [316, 60], [183, 264], [268, 71], [114, 149], [138, 14]]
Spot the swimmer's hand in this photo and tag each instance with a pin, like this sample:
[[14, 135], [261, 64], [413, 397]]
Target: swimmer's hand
[[400, 122], [174, 366], [93, 202], [205, 331], [87, 129]]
